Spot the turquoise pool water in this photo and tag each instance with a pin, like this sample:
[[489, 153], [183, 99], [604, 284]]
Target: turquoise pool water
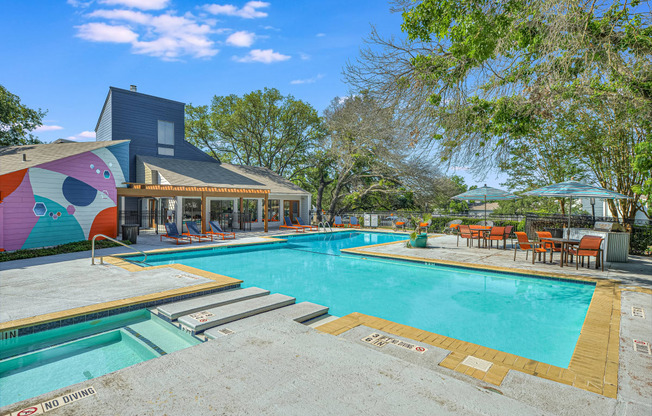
[[531, 317], [45, 361]]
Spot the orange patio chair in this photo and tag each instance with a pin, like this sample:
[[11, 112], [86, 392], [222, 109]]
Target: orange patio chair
[[589, 247], [548, 245], [496, 234], [524, 244], [465, 232]]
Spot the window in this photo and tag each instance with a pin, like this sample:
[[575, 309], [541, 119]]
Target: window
[[166, 133], [166, 151], [273, 210]]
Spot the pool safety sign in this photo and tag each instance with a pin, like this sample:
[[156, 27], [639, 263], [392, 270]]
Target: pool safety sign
[[56, 403], [382, 340], [201, 316]]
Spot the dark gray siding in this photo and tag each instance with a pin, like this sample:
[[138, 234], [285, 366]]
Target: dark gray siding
[[103, 133], [135, 117]]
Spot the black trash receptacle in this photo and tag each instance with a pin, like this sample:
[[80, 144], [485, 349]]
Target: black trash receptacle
[[130, 232]]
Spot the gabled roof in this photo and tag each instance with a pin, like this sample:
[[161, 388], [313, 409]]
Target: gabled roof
[[220, 175], [11, 157]]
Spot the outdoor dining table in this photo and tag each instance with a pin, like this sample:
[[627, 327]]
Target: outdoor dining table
[[480, 230], [565, 243]]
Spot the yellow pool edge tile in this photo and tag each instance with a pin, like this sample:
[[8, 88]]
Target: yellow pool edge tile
[[593, 368]]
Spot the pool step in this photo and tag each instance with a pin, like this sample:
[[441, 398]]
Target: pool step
[[299, 312], [211, 317], [174, 310]]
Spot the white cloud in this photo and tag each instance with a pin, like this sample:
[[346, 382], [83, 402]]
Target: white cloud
[[139, 4], [320, 35], [79, 3], [248, 11], [271, 28], [84, 136], [166, 36], [307, 80], [266, 56], [241, 39], [101, 32], [48, 128]]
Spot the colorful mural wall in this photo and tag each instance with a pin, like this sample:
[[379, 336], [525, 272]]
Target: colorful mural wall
[[69, 199]]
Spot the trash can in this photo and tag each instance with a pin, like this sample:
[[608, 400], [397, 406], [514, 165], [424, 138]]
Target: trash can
[[130, 232]]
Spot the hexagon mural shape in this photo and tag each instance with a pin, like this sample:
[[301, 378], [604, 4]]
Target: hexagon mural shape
[[40, 209]]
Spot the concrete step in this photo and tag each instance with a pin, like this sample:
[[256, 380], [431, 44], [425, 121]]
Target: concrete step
[[212, 317], [299, 312], [172, 311], [321, 320]]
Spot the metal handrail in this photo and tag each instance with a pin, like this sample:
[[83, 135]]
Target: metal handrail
[[324, 224], [115, 241]]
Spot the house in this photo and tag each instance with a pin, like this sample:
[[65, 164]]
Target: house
[[139, 170], [172, 180]]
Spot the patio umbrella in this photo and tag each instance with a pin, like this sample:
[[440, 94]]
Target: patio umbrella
[[486, 193], [575, 189]]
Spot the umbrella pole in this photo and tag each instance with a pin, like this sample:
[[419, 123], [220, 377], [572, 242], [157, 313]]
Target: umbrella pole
[[485, 210], [570, 210]]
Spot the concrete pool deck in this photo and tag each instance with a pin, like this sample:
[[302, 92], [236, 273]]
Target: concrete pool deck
[[282, 367]]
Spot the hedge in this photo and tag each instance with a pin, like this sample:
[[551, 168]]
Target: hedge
[[84, 245]]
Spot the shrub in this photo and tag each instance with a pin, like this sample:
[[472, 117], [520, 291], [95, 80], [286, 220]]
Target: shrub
[[73, 247], [640, 240]]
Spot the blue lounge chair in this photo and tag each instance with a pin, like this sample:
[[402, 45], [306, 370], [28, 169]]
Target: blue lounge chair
[[194, 232], [217, 230], [300, 223], [354, 223], [337, 222], [173, 233], [287, 223]]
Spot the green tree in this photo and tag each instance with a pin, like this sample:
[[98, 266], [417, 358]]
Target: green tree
[[17, 120], [642, 164], [492, 81], [262, 128]]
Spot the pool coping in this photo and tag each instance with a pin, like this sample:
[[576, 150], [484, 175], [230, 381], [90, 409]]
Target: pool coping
[[69, 316]]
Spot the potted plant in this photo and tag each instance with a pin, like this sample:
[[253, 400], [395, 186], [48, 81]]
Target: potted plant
[[419, 239]]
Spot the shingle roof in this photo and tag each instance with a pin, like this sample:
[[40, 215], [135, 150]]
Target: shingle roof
[[215, 174], [11, 157]]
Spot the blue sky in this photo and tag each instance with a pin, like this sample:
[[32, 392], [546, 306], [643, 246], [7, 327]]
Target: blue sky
[[62, 56]]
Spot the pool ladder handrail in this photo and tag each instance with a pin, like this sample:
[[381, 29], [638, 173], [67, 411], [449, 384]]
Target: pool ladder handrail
[[115, 241], [324, 224]]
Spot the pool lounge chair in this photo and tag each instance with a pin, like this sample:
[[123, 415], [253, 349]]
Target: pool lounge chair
[[354, 223], [308, 227], [172, 233], [287, 223], [337, 222], [452, 227], [195, 232], [218, 231]]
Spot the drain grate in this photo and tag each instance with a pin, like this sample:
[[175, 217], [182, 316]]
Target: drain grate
[[642, 346], [477, 363], [638, 312], [225, 331]]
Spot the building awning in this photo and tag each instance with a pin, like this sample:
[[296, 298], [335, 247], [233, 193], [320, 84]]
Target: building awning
[[145, 190]]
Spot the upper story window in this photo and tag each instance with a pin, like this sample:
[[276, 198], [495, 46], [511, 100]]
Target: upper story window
[[166, 132]]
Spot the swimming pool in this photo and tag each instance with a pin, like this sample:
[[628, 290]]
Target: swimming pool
[[45, 361], [536, 318]]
